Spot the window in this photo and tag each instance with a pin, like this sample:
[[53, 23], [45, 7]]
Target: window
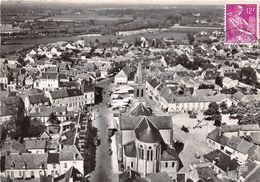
[[32, 174], [142, 154], [12, 174], [173, 164], [151, 155], [54, 166], [142, 93], [166, 164], [137, 93], [20, 173], [222, 147], [65, 165], [148, 155], [132, 164]]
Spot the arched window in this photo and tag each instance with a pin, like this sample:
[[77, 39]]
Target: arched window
[[142, 154], [166, 164], [148, 155], [151, 155], [137, 93], [142, 92]]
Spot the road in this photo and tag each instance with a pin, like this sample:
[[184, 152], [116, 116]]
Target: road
[[102, 116]]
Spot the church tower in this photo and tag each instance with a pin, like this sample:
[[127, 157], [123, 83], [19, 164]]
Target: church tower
[[139, 83]]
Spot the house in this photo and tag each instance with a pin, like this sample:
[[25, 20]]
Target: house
[[229, 83], [70, 157], [53, 164], [35, 146], [43, 113], [10, 107], [71, 98], [223, 164], [216, 139], [72, 175], [25, 165], [131, 175], [202, 172], [88, 92], [35, 100], [48, 81], [12, 147], [125, 75]]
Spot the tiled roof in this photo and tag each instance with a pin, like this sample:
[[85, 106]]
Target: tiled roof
[[169, 154], [53, 158], [129, 122], [223, 161], [35, 144], [130, 176], [70, 153], [63, 93], [233, 142], [28, 160], [13, 147], [255, 137], [49, 75], [130, 149], [37, 98], [217, 136], [254, 153], [73, 173], [147, 132], [140, 110]]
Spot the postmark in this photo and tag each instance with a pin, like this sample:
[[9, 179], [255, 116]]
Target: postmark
[[241, 23]]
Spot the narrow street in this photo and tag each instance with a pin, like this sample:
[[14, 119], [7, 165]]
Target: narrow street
[[102, 116]]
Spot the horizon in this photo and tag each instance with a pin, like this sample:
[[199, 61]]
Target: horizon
[[126, 2]]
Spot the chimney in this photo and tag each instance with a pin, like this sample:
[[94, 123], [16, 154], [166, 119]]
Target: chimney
[[216, 160]]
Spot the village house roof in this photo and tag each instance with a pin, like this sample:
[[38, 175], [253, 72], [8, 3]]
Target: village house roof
[[217, 136], [35, 144], [140, 110], [26, 160], [251, 166], [131, 176], [49, 75], [130, 122], [73, 173], [53, 158], [130, 149], [70, 153], [153, 82], [222, 160], [63, 93], [254, 153], [13, 147], [169, 154], [147, 132], [255, 136], [37, 98]]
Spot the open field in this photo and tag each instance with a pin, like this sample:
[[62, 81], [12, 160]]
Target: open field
[[84, 17], [27, 43]]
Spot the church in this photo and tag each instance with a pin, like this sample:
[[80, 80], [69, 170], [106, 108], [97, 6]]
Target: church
[[146, 140]]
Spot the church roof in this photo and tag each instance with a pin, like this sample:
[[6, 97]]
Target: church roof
[[140, 110], [128, 122], [169, 154], [147, 132]]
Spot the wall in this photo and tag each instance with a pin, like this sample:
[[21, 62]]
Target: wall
[[18, 173]]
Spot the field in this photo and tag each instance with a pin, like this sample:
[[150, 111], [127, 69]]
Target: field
[[27, 43], [84, 17]]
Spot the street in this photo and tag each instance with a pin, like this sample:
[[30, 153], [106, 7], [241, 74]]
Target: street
[[102, 116]]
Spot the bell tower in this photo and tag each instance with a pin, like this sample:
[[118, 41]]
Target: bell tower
[[139, 83]]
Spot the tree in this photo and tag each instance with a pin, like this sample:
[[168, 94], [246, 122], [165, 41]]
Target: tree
[[248, 76], [223, 106], [218, 119], [219, 81], [53, 119], [212, 110]]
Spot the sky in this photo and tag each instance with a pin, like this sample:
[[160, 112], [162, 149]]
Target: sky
[[197, 2]]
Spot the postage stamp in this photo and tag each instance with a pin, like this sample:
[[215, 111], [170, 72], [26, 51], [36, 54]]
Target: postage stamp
[[241, 23]]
